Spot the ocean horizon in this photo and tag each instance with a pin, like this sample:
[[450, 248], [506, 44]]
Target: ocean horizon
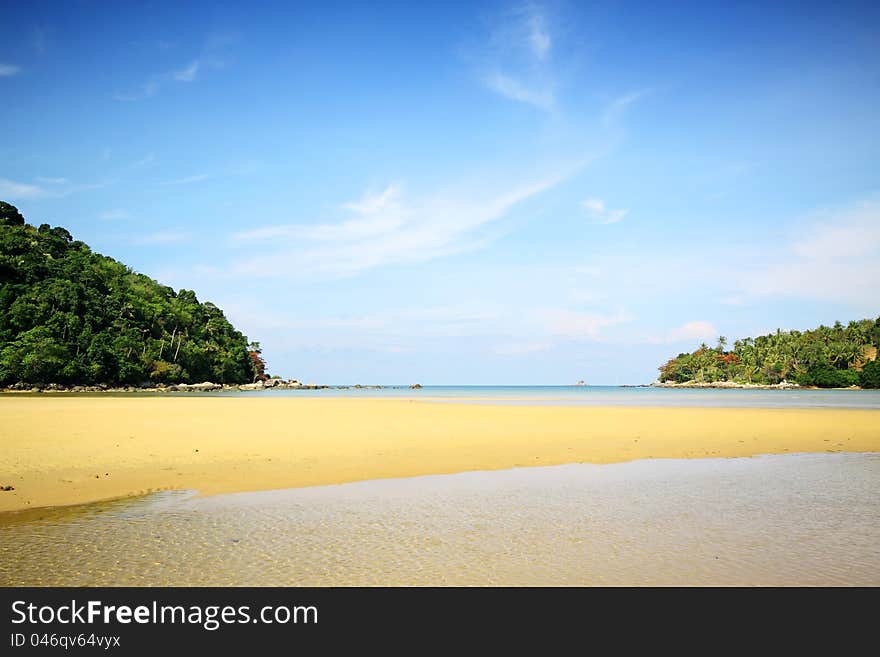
[[591, 395]]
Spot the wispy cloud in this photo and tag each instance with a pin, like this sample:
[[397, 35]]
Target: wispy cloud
[[509, 331], [8, 70], [618, 106], [598, 213], [187, 180], [515, 65], [161, 237], [834, 257], [698, 330], [579, 325], [520, 348], [211, 57], [146, 90], [39, 38], [538, 35], [115, 215], [147, 159], [514, 89], [387, 229], [10, 189], [372, 203], [187, 74], [48, 187]]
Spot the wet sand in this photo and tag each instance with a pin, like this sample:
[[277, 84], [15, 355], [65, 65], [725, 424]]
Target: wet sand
[[63, 451]]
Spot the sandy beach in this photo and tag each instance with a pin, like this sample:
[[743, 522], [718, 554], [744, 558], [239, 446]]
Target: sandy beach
[[61, 451]]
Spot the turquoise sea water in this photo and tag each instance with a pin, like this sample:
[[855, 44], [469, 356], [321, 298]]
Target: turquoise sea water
[[601, 396]]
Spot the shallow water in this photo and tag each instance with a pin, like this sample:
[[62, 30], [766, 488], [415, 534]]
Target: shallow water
[[568, 395], [607, 396], [780, 520]]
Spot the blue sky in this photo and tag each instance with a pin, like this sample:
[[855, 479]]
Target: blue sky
[[496, 193]]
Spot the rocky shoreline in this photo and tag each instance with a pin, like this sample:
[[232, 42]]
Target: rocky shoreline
[[782, 385], [207, 386]]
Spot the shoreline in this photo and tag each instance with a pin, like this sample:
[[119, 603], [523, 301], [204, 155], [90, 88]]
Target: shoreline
[[280, 384], [61, 451]]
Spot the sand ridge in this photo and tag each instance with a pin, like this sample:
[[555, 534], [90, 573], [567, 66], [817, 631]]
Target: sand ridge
[[70, 450]]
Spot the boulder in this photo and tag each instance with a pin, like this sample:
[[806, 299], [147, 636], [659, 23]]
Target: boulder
[[205, 386]]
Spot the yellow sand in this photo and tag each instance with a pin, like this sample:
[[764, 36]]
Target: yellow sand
[[68, 450]]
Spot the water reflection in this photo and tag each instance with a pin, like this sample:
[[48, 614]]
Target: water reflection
[[802, 519]]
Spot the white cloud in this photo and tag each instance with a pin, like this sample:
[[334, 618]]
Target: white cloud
[[578, 325], [387, 229], [9, 189], [598, 213], [146, 90], [515, 64], [698, 330], [54, 187], [187, 74], [537, 35], [148, 159], [187, 180], [372, 203], [8, 70], [211, 57], [161, 237], [835, 257], [618, 107], [849, 234], [514, 330], [689, 332], [114, 215], [513, 89], [521, 348]]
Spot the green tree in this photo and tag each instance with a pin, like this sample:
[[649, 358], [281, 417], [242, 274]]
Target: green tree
[[870, 375], [69, 315]]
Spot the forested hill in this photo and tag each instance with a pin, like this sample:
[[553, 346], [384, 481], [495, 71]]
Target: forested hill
[[828, 357], [72, 316]]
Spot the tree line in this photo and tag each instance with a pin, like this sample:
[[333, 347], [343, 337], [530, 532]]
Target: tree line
[[72, 316], [827, 357]]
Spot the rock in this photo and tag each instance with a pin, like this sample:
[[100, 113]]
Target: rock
[[416, 386], [204, 386], [251, 386]]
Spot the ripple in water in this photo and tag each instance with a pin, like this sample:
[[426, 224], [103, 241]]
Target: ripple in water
[[774, 520]]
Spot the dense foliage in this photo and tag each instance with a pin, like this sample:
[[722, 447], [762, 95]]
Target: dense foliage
[[827, 357], [71, 316]]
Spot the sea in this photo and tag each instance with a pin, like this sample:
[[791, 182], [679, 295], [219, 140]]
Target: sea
[[593, 395]]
